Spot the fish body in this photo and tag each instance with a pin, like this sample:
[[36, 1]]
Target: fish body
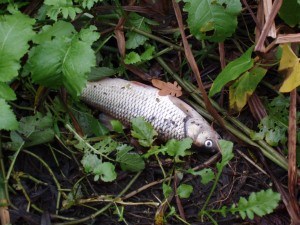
[[170, 116]]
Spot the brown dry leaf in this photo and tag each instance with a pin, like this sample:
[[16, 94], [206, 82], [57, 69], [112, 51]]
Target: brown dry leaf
[[167, 88]]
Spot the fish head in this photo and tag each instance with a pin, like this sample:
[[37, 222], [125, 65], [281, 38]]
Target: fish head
[[202, 134]]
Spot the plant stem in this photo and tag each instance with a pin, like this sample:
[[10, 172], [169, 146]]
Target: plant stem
[[80, 221], [201, 213], [51, 174], [77, 136]]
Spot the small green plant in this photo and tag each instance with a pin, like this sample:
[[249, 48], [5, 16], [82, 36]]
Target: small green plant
[[259, 203], [99, 159]]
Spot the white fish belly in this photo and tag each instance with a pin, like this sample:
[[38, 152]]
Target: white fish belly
[[125, 100]]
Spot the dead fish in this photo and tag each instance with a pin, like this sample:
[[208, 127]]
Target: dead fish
[[170, 116]]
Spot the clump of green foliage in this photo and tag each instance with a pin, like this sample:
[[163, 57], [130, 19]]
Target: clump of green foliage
[[50, 51]]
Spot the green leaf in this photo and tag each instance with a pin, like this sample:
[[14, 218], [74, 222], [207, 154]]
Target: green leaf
[[132, 57], [226, 150], [58, 29], [107, 145], [155, 150], [273, 128], [15, 32], [8, 119], [106, 171], [232, 71], [64, 7], [148, 54], [33, 130], [89, 35], [259, 203], [134, 39], [212, 20], [167, 190], [6, 92], [143, 131], [89, 124], [129, 161], [89, 162], [289, 12], [184, 190], [178, 148], [88, 3], [206, 174], [63, 61], [117, 126], [243, 88]]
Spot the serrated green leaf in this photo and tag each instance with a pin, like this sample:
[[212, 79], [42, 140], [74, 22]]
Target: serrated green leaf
[[64, 7], [6, 92], [243, 88], [63, 61], [259, 203], [206, 174], [148, 54], [289, 12], [143, 131], [129, 161], [132, 57], [232, 71], [58, 29], [88, 3], [178, 148], [155, 150], [15, 33], [33, 130], [106, 171], [107, 145], [134, 39], [212, 20], [184, 190], [8, 119], [273, 128]]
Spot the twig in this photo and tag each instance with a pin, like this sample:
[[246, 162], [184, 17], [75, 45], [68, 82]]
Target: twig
[[177, 179], [251, 162], [292, 169], [192, 62]]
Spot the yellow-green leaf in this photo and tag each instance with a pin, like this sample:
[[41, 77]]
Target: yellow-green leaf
[[289, 63], [244, 87]]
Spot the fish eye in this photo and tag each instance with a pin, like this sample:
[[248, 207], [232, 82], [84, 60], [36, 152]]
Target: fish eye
[[208, 143]]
